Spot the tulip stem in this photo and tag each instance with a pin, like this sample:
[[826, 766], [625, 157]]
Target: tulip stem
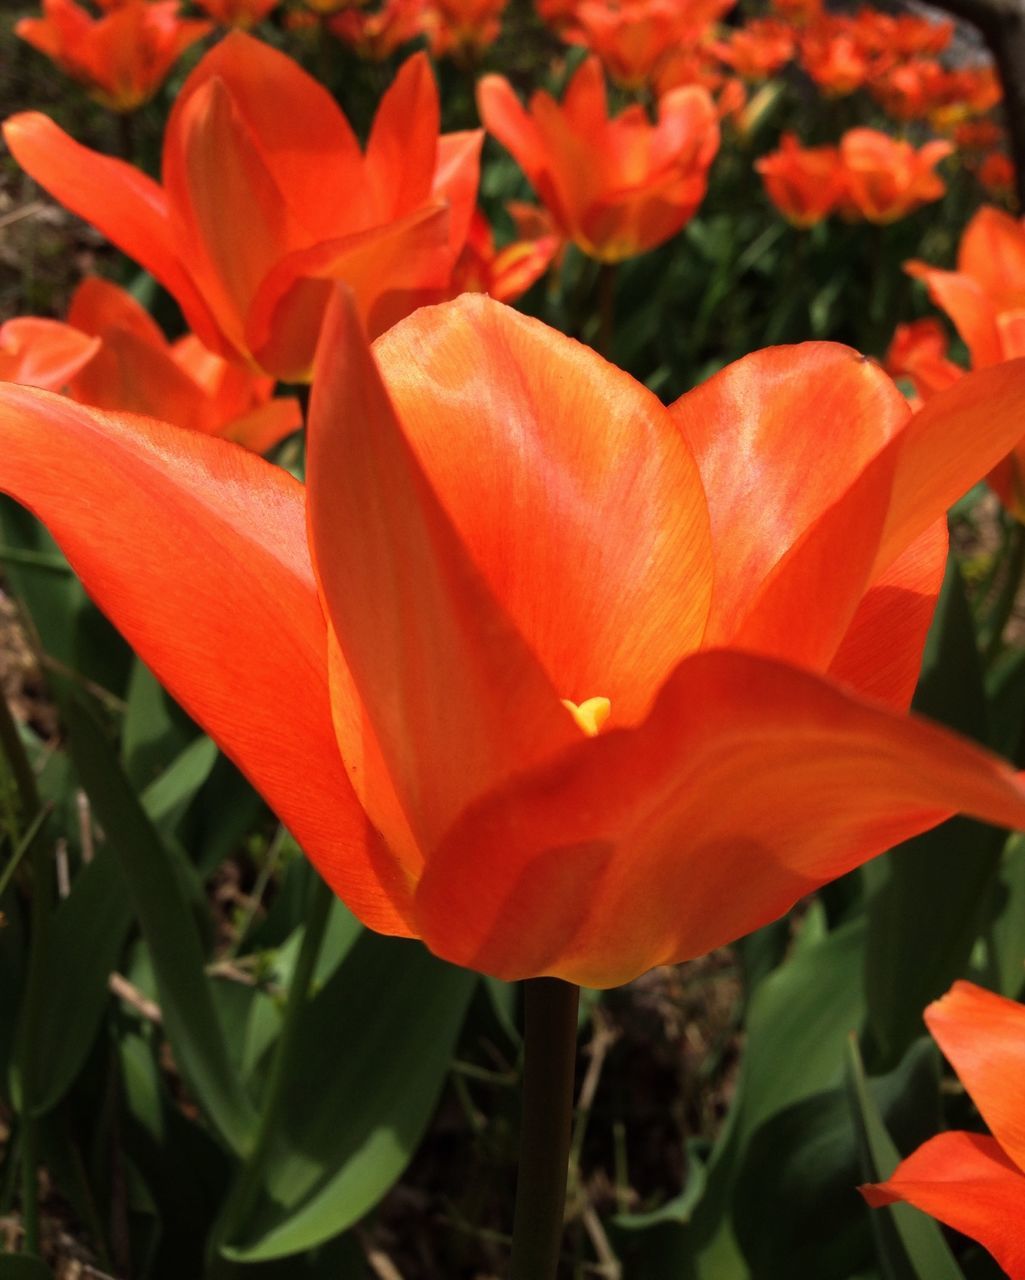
[[13, 750], [606, 308], [550, 1046]]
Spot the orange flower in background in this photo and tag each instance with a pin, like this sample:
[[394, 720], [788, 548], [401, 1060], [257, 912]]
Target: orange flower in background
[[43, 353], [238, 13], [804, 183], [910, 90], [919, 352], [996, 175], [886, 178], [504, 542], [462, 29], [616, 187], [758, 49], [504, 274], [122, 57], [974, 1182], [985, 298], [834, 59], [111, 354], [267, 198], [635, 41], [377, 35], [800, 12], [978, 135]]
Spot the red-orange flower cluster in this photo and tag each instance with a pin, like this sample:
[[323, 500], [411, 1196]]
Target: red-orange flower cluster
[[262, 207], [870, 176]]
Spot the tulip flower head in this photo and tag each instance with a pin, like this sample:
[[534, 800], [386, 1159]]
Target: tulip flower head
[[462, 29], [974, 1182], [804, 183], [43, 353], [616, 187], [528, 668], [886, 178], [504, 274], [378, 34], [123, 56], [267, 198], [635, 41]]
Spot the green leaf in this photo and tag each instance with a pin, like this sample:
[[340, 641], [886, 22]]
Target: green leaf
[[190, 1017], [798, 1021], [155, 730], [910, 1245], [1005, 942], [167, 798], [374, 1046], [19, 1266], [913, 955]]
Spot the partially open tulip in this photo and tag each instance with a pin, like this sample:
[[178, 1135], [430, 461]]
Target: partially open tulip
[[122, 57], [376, 34], [886, 178], [635, 41], [267, 198], [975, 1182], [558, 679], [758, 49], [617, 187], [918, 352], [112, 355], [834, 59], [985, 298], [503, 274], [462, 29], [804, 183]]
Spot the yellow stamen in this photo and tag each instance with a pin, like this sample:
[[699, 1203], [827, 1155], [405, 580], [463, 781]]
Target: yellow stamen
[[589, 715]]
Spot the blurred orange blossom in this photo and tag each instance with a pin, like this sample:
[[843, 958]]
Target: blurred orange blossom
[[267, 198], [506, 541], [971, 1181], [123, 56], [616, 187]]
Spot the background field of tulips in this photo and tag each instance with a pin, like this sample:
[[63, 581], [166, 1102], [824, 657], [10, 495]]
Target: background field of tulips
[[153, 912]]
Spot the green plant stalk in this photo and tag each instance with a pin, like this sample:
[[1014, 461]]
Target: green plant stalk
[[42, 899], [1014, 561], [250, 1179], [550, 1046]]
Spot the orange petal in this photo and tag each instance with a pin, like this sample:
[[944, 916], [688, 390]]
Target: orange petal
[[972, 310], [505, 119], [950, 443], [880, 655], [384, 267], [403, 143], [770, 474], [966, 1181], [983, 1035], [196, 550], [129, 208], [305, 141], [43, 353], [750, 784], [98, 305], [456, 699], [265, 426], [456, 179], [992, 252], [227, 206], [579, 501]]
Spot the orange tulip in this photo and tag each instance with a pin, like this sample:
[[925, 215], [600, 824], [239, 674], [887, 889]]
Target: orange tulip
[[122, 57], [267, 199], [758, 49], [886, 178], [616, 187], [462, 29], [238, 13], [973, 1182], [996, 175], [804, 183], [376, 36], [505, 545], [634, 42], [985, 298], [834, 59], [112, 355], [918, 352]]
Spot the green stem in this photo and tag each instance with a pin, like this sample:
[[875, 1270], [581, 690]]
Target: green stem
[[42, 899], [606, 308], [550, 1046], [247, 1187], [1004, 605]]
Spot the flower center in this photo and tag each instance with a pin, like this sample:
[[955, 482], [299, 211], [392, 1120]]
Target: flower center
[[589, 715]]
